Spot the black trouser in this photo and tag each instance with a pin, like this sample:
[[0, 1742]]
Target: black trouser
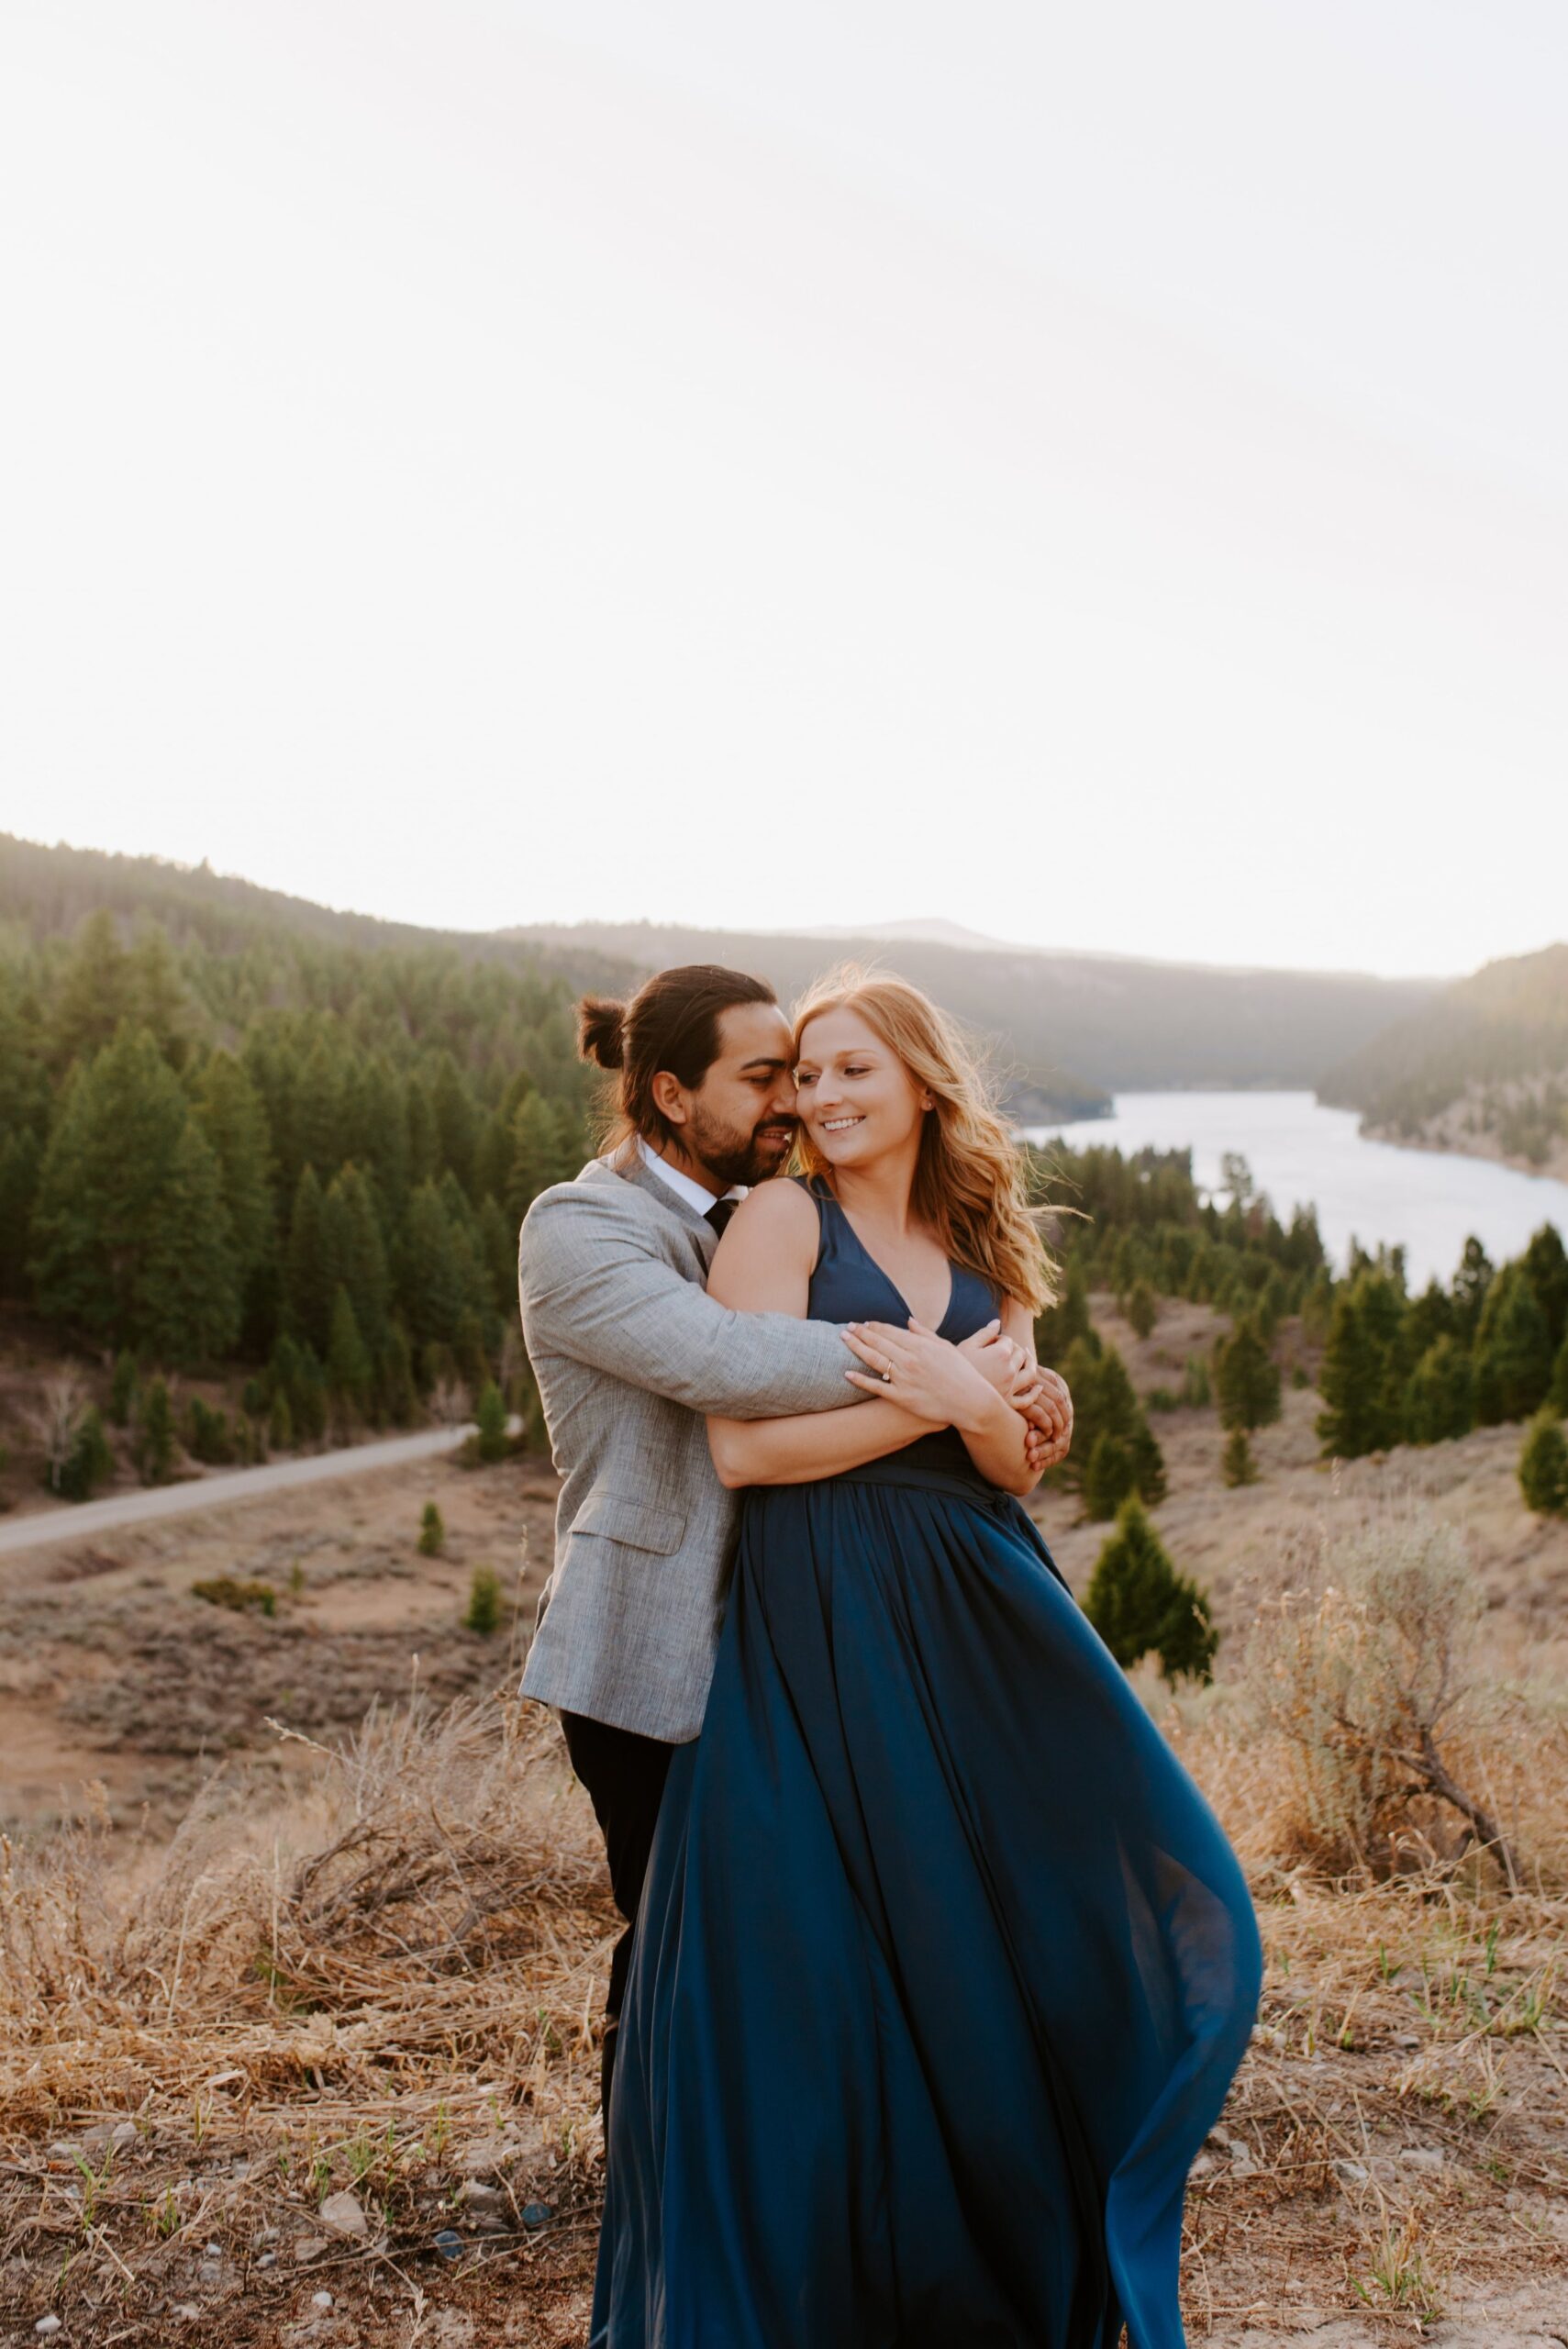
[[624, 1778]]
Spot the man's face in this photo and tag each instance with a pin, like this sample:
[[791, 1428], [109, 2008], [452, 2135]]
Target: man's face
[[738, 1123]]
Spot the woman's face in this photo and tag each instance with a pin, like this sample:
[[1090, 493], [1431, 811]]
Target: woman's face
[[853, 1094]]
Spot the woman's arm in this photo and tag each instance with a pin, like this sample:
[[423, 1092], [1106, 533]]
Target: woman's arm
[[764, 1264], [997, 1443], [933, 1376]]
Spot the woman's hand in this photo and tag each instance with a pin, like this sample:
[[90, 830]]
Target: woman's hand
[[920, 1370], [1000, 1360], [1039, 1396]]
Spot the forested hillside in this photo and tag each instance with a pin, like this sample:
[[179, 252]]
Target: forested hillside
[[287, 1152], [1482, 1066], [1073, 1027], [234, 1139]]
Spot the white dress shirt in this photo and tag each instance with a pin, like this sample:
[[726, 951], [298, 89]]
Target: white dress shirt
[[683, 1184]]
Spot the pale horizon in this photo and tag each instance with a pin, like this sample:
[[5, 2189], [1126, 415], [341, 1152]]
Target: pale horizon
[[1105, 472]]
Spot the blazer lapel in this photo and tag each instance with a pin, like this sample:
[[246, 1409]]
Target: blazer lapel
[[630, 1167]]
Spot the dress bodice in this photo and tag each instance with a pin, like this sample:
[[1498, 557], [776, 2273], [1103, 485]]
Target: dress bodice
[[848, 1284]]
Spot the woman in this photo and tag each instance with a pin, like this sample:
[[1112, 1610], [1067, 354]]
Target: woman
[[944, 1966]]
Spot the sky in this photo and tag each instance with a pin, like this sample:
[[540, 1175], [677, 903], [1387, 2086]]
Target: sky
[[1097, 475]]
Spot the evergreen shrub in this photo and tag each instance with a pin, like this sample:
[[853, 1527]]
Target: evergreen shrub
[[154, 1449], [1543, 1466], [484, 1614], [243, 1597], [1140, 1606], [1238, 1466]]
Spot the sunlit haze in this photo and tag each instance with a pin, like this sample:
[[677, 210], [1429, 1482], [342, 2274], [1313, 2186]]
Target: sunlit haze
[[1099, 476]]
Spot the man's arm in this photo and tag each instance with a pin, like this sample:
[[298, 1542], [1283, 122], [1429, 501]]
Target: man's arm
[[592, 1285]]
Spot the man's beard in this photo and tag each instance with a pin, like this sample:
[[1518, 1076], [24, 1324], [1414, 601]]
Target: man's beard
[[730, 1156]]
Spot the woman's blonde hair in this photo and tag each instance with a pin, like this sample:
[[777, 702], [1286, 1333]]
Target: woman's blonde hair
[[970, 1179]]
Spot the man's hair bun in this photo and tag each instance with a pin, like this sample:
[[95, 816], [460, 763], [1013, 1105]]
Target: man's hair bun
[[601, 1031]]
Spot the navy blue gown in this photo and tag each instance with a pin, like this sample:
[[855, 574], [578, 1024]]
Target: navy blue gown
[[944, 1966]]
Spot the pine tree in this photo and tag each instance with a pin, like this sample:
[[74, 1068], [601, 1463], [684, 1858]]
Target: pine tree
[[375, 1128], [155, 1434], [309, 1398], [539, 1155], [1559, 1395], [1246, 1380], [1142, 1308], [1061, 1324], [311, 1275], [1140, 1606], [431, 1282], [395, 1378], [347, 1362], [492, 1157], [109, 1162], [484, 1614], [1355, 1418], [1513, 1351], [357, 1252], [1546, 1269], [423, 1142], [1238, 1466], [1470, 1283], [1148, 1464], [158, 999], [1109, 1477], [457, 1123], [95, 993], [230, 1113], [21, 1155], [188, 1303], [122, 1389], [1427, 1318], [1440, 1401], [1543, 1467], [319, 1100], [498, 1246], [432, 1532]]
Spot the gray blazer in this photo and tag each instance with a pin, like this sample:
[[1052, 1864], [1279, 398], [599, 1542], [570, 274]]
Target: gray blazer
[[630, 1351]]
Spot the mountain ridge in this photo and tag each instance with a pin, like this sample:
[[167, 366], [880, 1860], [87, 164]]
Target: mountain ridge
[[1482, 1067], [1066, 1029]]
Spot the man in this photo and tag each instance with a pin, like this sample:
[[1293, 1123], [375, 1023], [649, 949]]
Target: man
[[631, 1354]]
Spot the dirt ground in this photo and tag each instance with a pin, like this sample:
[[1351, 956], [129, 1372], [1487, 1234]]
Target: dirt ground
[[114, 1677], [1392, 2164]]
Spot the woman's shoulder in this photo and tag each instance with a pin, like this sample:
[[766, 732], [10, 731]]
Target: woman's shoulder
[[776, 1211]]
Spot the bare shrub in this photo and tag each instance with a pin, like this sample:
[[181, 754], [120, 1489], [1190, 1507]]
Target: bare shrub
[[1369, 1675], [432, 1899], [55, 1420], [450, 1404]]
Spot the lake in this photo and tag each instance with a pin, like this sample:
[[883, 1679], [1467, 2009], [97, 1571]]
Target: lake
[[1302, 1154]]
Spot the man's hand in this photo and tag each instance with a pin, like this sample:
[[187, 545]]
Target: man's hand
[[1050, 1417]]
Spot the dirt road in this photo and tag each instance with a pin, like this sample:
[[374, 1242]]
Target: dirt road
[[121, 1510]]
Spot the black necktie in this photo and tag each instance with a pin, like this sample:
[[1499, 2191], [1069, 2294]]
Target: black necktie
[[719, 1215]]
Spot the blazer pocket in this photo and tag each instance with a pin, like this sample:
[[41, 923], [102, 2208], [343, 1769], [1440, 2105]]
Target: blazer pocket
[[642, 1525]]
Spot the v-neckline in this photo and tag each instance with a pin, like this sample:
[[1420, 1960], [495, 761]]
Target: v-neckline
[[881, 1269]]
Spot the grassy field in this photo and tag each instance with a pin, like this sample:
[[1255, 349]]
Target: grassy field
[[302, 1930]]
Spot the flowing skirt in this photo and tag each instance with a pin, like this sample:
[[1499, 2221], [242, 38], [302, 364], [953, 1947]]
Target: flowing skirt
[[943, 1967]]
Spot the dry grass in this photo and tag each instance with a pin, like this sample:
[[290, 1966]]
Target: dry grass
[[379, 1972], [388, 1988]]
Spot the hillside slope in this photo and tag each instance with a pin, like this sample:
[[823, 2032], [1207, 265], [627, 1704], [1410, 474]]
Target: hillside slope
[[1122, 1024], [1069, 1028], [1482, 1067], [47, 890]]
